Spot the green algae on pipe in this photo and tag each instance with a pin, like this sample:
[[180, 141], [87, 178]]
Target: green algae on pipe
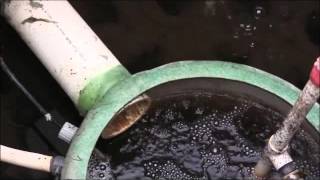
[[98, 86], [123, 92]]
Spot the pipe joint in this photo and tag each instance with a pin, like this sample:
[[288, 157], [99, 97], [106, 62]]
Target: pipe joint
[[280, 160], [273, 149], [56, 165]]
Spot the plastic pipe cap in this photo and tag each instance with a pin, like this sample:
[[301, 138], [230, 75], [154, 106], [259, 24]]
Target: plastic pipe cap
[[67, 132], [315, 73]]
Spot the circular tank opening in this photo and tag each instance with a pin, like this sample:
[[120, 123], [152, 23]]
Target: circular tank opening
[[127, 116], [203, 128]]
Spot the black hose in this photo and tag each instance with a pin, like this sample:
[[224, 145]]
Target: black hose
[[6, 69]]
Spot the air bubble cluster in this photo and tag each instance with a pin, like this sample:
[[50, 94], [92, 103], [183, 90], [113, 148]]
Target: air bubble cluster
[[167, 170], [180, 126], [99, 168], [307, 168], [201, 137]]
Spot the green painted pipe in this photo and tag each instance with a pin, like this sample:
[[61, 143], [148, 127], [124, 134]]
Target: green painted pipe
[[122, 92]]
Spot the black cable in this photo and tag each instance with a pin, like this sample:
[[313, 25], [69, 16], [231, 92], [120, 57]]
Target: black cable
[[43, 111], [5, 68]]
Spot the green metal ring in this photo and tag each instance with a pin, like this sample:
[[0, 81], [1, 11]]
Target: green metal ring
[[123, 92]]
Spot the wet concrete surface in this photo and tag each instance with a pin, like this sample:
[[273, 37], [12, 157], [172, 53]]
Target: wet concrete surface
[[280, 37]]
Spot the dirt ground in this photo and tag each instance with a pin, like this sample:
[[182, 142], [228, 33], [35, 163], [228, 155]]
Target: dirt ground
[[280, 37]]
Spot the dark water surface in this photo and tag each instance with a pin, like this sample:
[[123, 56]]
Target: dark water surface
[[202, 137]]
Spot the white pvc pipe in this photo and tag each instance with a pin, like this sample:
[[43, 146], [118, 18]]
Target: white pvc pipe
[[25, 159], [62, 40]]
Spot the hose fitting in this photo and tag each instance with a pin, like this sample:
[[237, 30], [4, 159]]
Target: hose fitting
[[56, 165], [278, 158]]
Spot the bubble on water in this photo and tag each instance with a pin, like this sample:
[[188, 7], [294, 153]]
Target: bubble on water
[[311, 170], [101, 175], [102, 167], [199, 111], [201, 132], [215, 150], [246, 29], [162, 133], [99, 168], [259, 12], [180, 127], [169, 114], [228, 118], [167, 169]]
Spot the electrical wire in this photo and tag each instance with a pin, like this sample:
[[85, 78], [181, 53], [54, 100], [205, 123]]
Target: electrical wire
[[42, 110]]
